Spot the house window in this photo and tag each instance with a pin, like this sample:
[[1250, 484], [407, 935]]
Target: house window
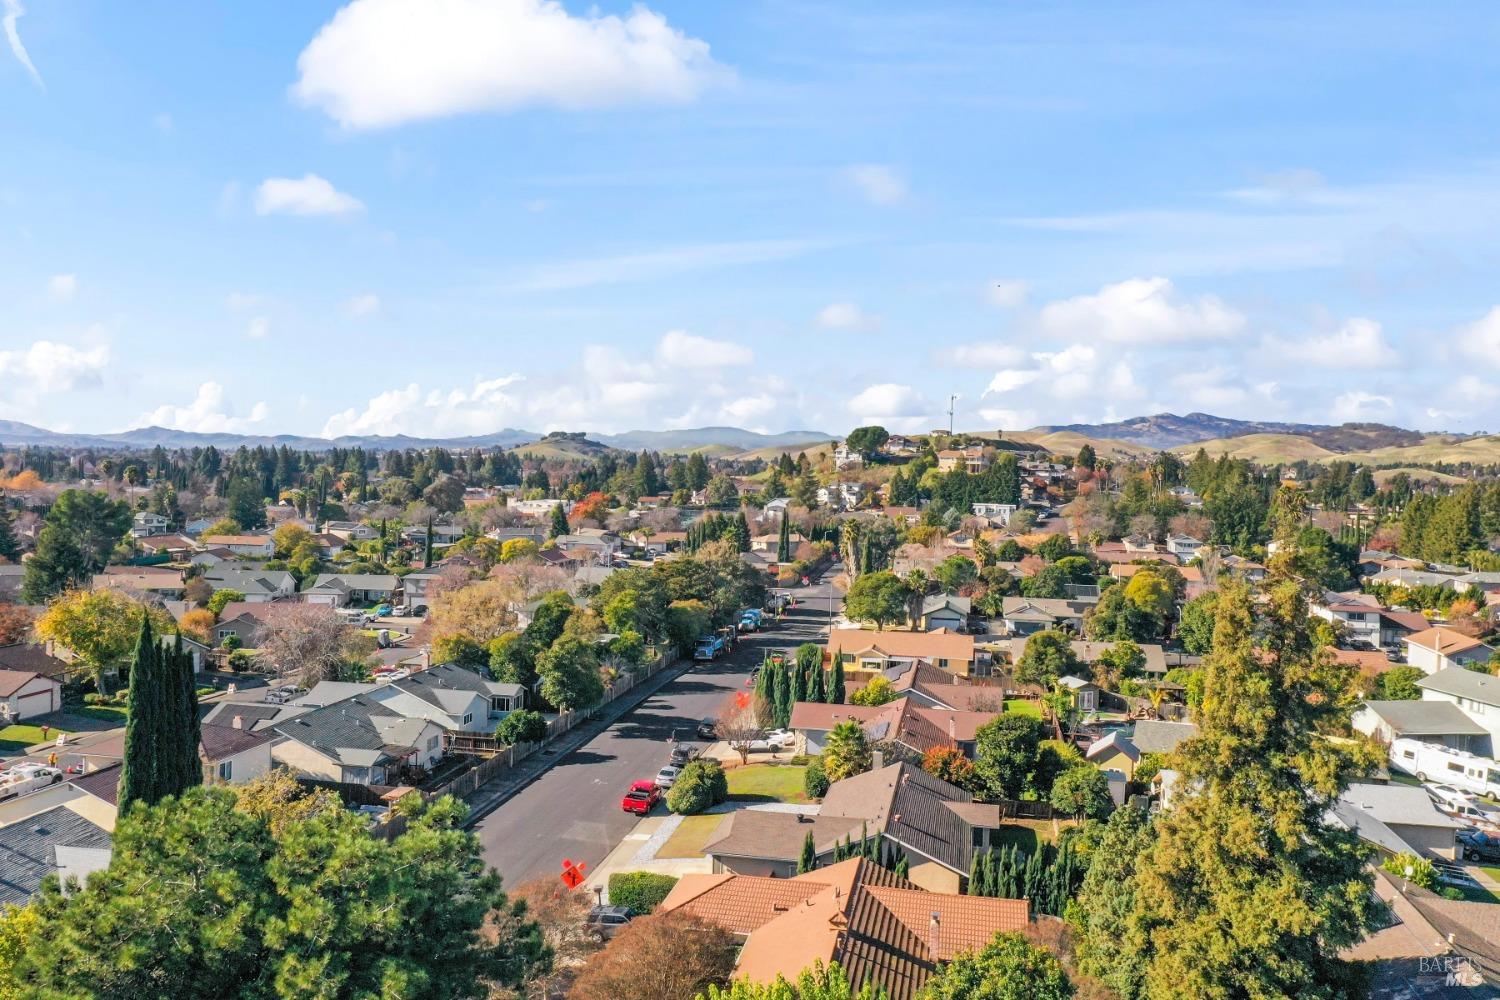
[[226, 770], [499, 703], [468, 717], [432, 744]]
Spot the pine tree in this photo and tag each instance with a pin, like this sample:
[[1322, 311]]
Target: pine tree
[[836, 685], [809, 859], [559, 524]]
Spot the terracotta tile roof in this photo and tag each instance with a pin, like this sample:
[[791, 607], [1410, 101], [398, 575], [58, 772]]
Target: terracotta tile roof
[[926, 645], [739, 903]]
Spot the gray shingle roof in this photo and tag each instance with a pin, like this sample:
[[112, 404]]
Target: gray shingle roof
[[354, 731], [1426, 718], [27, 849], [1151, 736], [453, 677], [1464, 683], [909, 806]]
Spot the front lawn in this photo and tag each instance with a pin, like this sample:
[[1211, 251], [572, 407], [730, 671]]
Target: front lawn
[[691, 834], [767, 783], [104, 713], [16, 738], [1024, 706]]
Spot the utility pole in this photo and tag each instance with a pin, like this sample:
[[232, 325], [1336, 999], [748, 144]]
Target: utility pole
[[951, 400]]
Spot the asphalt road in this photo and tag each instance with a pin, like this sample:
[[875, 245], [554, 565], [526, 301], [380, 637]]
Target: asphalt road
[[573, 810]]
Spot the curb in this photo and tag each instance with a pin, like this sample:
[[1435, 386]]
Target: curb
[[575, 739]]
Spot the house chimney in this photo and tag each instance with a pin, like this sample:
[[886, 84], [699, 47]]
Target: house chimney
[[952, 729], [238, 722], [932, 934], [877, 760]]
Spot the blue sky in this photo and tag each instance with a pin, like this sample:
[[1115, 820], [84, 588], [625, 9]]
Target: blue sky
[[452, 216]]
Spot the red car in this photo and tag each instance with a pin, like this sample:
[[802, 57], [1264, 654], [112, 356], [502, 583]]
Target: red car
[[641, 797]]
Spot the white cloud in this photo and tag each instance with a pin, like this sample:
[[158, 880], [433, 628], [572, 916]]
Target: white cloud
[[1010, 379], [384, 62], [307, 195], [482, 408], [1480, 340], [1009, 420], [680, 349], [846, 316], [62, 287], [991, 354], [1140, 311], [208, 413], [362, 305], [652, 265], [889, 404], [258, 328], [1008, 294], [1356, 405], [877, 183], [1359, 343], [52, 367], [13, 13]]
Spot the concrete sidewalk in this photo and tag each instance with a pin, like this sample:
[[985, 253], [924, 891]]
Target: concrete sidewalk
[[497, 792]]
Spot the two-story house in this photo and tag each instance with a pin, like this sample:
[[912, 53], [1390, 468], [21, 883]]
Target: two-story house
[[146, 523], [1439, 648]]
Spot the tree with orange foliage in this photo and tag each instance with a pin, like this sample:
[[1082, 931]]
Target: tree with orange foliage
[[949, 764], [198, 624], [15, 623], [593, 507], [22, 482]]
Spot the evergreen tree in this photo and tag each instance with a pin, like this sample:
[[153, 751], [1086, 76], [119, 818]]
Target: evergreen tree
[[784, 543], [903, 866], [809, 859], [783, 701], [765, 691], [427, 542], [10, 549], [836, 683], [190, 768], [150, 759], [976, 874], [559, 524], [798, 684], [815, 688]]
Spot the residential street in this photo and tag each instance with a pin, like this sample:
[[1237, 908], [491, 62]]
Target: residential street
[[573, 810]]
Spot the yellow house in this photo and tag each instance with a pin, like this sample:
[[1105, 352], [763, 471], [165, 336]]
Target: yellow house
[[873, 652], [1114, 752]]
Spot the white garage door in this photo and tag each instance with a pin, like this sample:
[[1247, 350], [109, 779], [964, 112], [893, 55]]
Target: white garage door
[[38, 703]]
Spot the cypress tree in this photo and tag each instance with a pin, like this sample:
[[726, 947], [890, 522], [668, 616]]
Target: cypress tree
[[976, 874], [809, 859], [765, 690], [784, 543], [10, 549], [427, 542], [148, 748], [783, 697], [799, 684], [836, 685], [191, 730], [1035, 879], [903, 866], [815, 691]]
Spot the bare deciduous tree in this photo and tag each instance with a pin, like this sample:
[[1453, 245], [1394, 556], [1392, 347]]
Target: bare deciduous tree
[[671, 956], [739, 724], [308, 642]]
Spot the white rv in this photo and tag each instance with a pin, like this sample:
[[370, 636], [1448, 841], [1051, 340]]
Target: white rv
[[1435, 762]]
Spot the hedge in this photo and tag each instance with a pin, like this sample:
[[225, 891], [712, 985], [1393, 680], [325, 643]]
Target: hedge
[[701, 784], [641, 891]]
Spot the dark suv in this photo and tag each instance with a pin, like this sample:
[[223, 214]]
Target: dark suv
[[606, 921], [707, 730]]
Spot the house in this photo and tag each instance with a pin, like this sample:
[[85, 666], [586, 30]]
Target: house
[[945, 611], [937, 825], [459, 700], [1115, 752], [1184, 547], [1360, 622], [11, 577], [844, 457], [198, 526], [54, 842], [1397, 819], [256, 546], [973, 459], [905, 721], [1084, 693], [1432, 721], [416, 587], [1489, 582], [1439, 648], [594, 544], [243, 620], [258, 585], [1028, 615], [863, 650], [929, 687], [1154, 736], [360, 589], [1476, 695], [145, 523], [351, 531], [233, 756], [901, 445], [171, 545], [1412, 578], [29, 658], [1245, 569], [1397, 625], [841, 495], [163, 586], [359, 741], [538, 508], [884, 931], [25, 694], [995, 513], [1431, 946]]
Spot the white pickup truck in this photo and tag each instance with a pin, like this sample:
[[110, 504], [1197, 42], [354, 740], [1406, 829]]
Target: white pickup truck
[[23, 779]]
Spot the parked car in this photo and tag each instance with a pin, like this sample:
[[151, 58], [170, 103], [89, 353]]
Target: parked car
[[1476, 845], [707, 730], [774, 741], [666, 776], [381, 610], [1474, 815], [641, 797], [684, 752], [605, 921], [1450, 796], [401, 610]]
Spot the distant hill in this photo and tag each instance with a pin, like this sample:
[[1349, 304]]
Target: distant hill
[[1163, 431], [720, 439]]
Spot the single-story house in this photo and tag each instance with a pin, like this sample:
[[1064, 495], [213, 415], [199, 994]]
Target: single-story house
[[1438, 648], [1026, 615], [56, 842], [233, 755], [25, 694], [1155, 736], [257, 546], [1433, 720], [1397, 819], [357, 740], [258, 585], [945, 611], [340, 589], [884, 931], [165, 586], [905, 721], [863, 650]]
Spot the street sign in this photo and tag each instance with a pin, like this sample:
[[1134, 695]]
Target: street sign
[[572, 873]]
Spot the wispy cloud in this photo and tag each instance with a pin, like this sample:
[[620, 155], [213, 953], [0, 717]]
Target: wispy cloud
[[13, 13], [655, 264]]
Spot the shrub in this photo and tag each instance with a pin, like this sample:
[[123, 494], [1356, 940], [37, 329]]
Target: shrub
[[240, 661], [641, 891], [524, 726], [231, 642], [96, 698], [1420, 874], [815, 779], [700, 785]]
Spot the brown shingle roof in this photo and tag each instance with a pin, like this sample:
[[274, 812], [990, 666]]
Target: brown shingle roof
[[1444, 641], [12, 681], [24, 656], [925, 645]]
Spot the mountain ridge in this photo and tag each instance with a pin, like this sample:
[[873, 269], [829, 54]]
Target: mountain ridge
[[1169, 430]]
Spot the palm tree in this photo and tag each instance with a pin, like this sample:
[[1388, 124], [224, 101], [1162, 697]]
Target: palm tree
[[1157, 696]]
